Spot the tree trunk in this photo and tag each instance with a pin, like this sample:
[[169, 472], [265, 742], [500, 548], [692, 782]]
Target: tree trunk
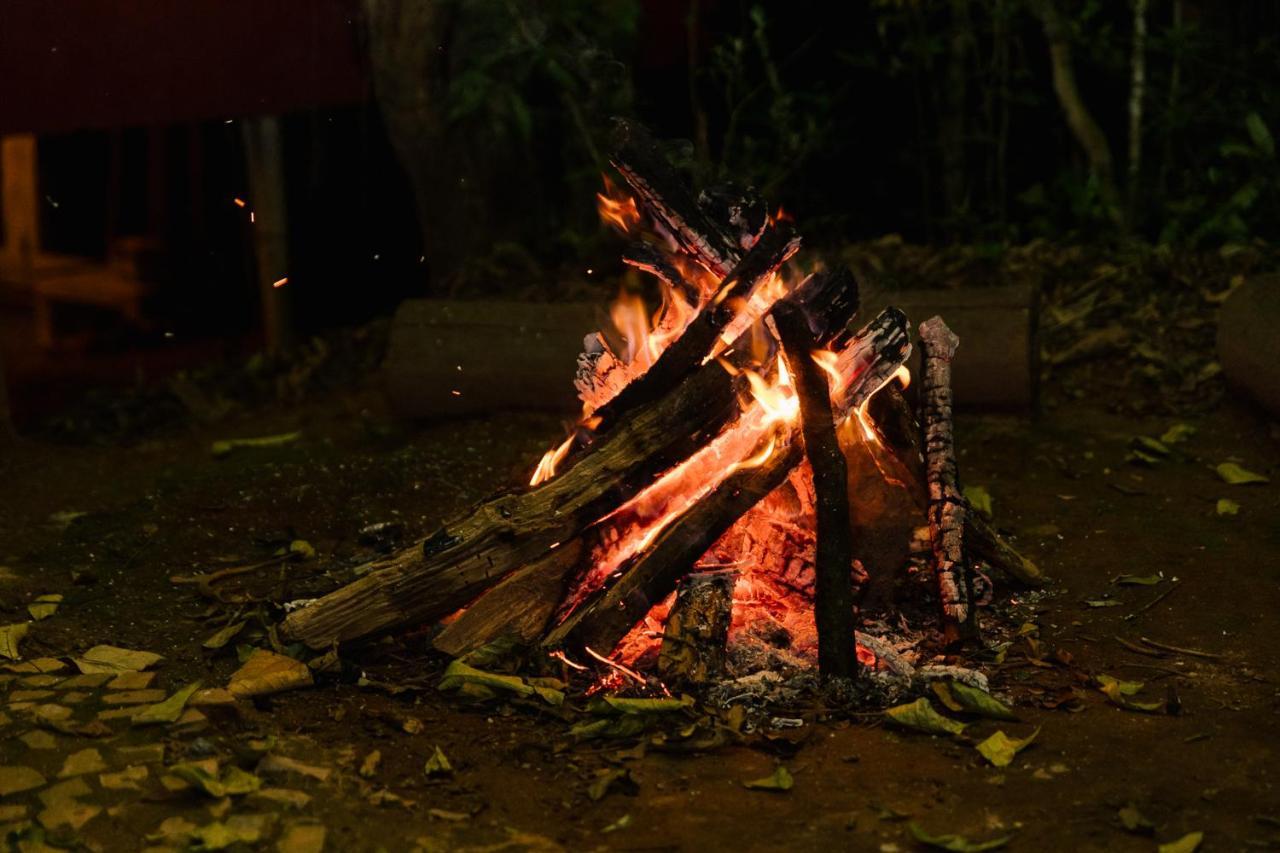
[[1079, 119], [1137, 92], [264, 153]]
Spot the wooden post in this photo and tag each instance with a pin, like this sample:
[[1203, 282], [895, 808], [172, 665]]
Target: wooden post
[[263, 148]]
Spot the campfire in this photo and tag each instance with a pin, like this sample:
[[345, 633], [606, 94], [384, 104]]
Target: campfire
[[748, 484]]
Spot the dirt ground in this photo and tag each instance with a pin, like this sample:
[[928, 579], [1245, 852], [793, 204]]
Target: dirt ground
[[168, 507]]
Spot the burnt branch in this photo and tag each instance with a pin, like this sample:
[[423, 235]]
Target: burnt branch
[[947, 507], [697, 629], [668, 201], [833, 563]]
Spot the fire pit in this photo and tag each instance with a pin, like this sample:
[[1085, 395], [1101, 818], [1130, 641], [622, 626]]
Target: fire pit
[[747, 479]]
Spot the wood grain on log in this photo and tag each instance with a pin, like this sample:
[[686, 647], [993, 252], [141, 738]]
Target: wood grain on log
[[947, 508], [833, 563]]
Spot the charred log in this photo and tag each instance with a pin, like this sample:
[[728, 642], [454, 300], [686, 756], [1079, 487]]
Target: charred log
[[694, 636], [740, 210], [947, 508], [666, 198], [833, 563], [985, 544]]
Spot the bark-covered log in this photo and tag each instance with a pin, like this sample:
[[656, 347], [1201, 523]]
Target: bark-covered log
[[947, 508], [666, 198], [829, 301], [833, 562], [606, 617], [473, 551], [697, 628]]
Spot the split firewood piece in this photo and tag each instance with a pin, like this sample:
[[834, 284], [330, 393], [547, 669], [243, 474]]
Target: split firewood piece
[[605, 618], [697, 629], [519, 605], [896, 422], [649, 258], [698, 341], [833, 563], [474, 550], [668, 201], [947, 508]]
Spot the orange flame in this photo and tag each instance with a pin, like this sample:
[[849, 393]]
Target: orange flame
[[617, 207], [550, 461]]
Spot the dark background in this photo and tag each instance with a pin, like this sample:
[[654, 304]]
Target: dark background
[[454, 147]]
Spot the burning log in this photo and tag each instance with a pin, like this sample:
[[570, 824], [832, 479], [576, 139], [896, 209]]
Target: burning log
[[694, 637], [602, 621], [947, 508], [694, 346], [512, 608], [666, 197], [833, 565]]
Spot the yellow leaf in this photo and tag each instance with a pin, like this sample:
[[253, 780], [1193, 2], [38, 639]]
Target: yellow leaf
[[1000, 749], [167, 711], [921, 716], [10, 636], [267, 672], [1188, 843], [44, 606], [114, 659], [779, 780], [1233, 474]]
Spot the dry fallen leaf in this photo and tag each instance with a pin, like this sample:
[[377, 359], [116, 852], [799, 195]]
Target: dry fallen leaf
[[44, 606], [267, 672], [167, 711], [114, 660], [10, 636], [16, 779]]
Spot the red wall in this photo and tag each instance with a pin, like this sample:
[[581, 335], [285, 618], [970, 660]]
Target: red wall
[[71, 64]]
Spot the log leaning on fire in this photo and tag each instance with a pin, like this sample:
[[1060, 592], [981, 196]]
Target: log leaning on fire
[[833, 560], [947, 507], [478, 548], [521, 604], [603, 620]]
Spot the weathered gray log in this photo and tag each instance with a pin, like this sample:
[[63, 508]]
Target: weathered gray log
[[1000, 368], [1248, 341], [519, 605], [451, 359], [516, 356], [697, 629], [947, 508], [833, 563]]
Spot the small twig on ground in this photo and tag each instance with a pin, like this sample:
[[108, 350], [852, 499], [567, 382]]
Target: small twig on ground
[[1196, 653], [1152, 603], [204, 581], [1134, 647]]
